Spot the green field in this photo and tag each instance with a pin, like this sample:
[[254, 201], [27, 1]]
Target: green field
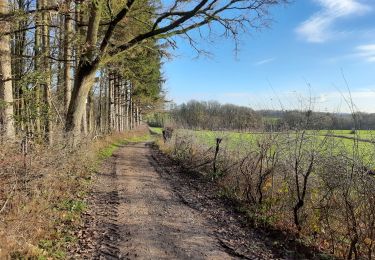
[[209, 137], [332, 141], [361, 134]]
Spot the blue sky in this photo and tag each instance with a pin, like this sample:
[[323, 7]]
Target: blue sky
[[309, 49]]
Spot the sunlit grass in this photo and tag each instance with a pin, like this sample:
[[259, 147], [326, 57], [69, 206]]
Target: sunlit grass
[[156, 130], [357, 145], [110, 149]]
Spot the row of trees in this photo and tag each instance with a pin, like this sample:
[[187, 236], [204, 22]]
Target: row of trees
[[214, 116], [43, 47], [76, 66], [317, 120]]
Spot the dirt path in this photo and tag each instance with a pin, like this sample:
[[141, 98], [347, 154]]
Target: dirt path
[[141, 208], [156, 223]]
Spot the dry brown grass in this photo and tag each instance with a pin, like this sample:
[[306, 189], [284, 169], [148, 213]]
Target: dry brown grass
[[43, 193]]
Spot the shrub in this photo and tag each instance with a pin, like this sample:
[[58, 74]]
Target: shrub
[[313, 185]]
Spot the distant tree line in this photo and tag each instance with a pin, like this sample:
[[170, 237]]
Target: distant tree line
[[158, 119], [215, 116], [279, 120], [212, 115]]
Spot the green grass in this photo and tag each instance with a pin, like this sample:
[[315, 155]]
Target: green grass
[[72, 205], [156, 130], [110, 149], [361, 134], [328, 144], [139, 139]]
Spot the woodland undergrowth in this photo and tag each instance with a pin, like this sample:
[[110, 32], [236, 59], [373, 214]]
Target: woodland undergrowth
[[44, 190]]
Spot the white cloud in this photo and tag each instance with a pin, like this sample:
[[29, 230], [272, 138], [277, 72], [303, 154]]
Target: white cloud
[[333, 101], [265, 61], [337, 101], [362, 100], [367, 52], [318, 28]]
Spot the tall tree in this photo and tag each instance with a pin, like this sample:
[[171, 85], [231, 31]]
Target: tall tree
[[177, 19], [47, 77], [85, 74], [6, 91], [68, 28], [37, 68]]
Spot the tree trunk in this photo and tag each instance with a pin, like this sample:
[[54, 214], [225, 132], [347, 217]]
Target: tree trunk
[[127, 106], [91, 112], [18, 48], [106, 104], [60, 62], [122, 103], [37, 90], [6, 91], [109, 105], [85, 76], [131, 109], [100, 105], [83, 82], [115, 103], [138, 121], [47, 78], [118, 104], [84, 119], [68, 27]]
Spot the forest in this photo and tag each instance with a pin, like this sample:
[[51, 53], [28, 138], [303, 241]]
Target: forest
[[50, 49]]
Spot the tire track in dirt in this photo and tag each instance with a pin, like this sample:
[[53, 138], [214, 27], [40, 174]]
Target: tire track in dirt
[[99, 235], [107, 202]]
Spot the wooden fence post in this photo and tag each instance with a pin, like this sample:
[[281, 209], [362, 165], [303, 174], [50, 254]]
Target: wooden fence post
[[218, 141]]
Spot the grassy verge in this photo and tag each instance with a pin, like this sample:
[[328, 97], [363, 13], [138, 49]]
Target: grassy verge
[[108, 151], [156, 130], [45, 195]]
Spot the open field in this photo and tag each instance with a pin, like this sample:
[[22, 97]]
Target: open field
[[337, 141], [361, 134]]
